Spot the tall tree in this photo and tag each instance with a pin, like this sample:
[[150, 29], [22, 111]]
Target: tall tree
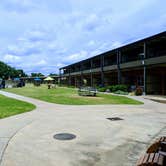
[[7, 71], [37, 75], [52, 74]]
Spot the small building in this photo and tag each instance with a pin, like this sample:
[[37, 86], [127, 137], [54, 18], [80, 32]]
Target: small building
[[142, 63]]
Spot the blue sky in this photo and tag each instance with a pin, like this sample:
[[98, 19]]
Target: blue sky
[[44, 35]]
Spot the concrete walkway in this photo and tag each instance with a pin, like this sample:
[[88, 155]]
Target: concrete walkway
[[27, 139], [161, 99]]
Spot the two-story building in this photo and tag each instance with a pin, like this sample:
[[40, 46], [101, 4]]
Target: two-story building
[[142, 63]]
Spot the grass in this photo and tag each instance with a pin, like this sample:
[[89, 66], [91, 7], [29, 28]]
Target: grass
[[69, 96], [9, 107]]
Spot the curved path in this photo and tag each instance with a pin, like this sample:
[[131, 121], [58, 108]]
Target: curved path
[[27, 139]]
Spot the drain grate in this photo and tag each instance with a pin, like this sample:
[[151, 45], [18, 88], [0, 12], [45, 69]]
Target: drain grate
[[64, 136], [115, 119]]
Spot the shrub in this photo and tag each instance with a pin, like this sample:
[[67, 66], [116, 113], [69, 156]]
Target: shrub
[[121, 87], [114, 88], [71, 86], [110, 87], [103, 89], [138, 91], [121, 92]]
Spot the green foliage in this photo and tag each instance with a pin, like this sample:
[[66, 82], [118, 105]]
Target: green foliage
[[138, 91], [9, 106], [7, 71], [110, 87], [71, 86], [103, 89], [69, 96], [53, 75], [115, 88], [121, 92], [37, 75]]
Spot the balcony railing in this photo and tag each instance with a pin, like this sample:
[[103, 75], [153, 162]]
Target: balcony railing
[[156, 54]]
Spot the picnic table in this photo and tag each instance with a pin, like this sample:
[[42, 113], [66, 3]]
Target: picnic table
[[87, 91]]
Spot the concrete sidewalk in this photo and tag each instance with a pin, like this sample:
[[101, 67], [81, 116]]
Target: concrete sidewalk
[[28, 138], [161, 99]]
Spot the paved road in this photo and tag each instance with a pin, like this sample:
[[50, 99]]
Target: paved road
[[27, 139]]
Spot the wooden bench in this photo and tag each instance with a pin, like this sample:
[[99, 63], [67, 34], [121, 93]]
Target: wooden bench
[[155, 154], [159, 144], [87, 91], [151, 159]]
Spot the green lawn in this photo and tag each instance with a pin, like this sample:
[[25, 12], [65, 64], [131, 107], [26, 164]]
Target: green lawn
[[69, 96], [9, 107]]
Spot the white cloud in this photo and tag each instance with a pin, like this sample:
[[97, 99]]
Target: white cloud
[[24, 6], [41, 63], [11, 58], [44, 35], [77, 56], [17, 5], [91, 43], [116, 44], [60, 65]]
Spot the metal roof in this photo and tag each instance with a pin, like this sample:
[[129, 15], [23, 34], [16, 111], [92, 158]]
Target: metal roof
[[148, 39]]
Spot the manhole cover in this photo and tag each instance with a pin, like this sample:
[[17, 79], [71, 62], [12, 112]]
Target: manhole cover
[[64, 136], [115, 118]]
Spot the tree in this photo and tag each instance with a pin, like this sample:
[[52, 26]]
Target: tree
[[37, 75], [53, 75], [7, 71]]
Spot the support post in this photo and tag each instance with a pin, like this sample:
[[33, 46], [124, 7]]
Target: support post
[[91, 75], [144, 68], [59, 77], [102, 71], [75, 81], [118, 66], [81, 74], [163, 83], [69, 83]]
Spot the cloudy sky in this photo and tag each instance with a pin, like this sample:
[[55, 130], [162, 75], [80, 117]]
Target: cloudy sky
[[44, 35]]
